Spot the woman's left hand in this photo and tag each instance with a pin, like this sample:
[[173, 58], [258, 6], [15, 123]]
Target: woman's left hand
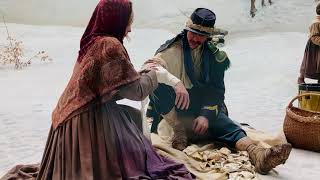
[[148, 67]]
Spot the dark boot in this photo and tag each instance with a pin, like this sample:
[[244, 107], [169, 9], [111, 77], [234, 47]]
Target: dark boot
[[253, 9], [264, 159], [270, 2]]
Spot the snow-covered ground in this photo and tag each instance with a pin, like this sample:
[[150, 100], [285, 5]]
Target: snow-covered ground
[[265, 52]]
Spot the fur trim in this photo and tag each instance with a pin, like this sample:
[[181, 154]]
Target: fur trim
[[191, 25]]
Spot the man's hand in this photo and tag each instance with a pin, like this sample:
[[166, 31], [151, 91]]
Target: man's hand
[[200, 125], [182, 96]]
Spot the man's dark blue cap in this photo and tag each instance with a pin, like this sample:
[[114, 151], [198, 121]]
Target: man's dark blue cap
[[201, 22], [203, 17]]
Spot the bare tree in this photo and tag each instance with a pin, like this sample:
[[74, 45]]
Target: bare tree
[[12, 52]]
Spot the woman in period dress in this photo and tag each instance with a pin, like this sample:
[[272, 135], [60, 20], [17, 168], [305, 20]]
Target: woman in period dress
[[93, 137]]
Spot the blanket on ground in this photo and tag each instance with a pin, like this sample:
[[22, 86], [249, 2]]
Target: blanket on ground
[[212, 160]]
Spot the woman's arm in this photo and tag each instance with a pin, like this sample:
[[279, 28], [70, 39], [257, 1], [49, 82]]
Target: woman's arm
[[141, 88], [163, 75]]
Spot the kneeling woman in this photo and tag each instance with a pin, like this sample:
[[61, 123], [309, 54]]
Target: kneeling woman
[[92, 137]]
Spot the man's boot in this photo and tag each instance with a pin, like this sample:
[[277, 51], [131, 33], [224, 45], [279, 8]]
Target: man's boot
[[264, 159], [179, 140]]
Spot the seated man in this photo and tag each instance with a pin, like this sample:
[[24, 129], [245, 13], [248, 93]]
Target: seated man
[[194, 69]]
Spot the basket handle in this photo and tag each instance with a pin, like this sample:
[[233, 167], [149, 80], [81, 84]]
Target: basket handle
[[299, 96]]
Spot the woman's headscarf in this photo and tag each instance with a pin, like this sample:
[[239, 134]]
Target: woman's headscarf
[[110, 18]]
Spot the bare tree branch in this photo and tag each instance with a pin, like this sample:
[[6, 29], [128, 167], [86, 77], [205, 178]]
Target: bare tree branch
[[5, 24]]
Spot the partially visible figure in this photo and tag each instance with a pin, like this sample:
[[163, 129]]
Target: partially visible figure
[[92, 137], [310, 66], [253, 8]]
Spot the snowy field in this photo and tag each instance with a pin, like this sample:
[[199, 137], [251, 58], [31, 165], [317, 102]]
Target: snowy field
[[265, 53]]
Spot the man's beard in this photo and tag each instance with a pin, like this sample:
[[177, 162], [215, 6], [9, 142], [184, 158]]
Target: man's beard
[[195, 44]]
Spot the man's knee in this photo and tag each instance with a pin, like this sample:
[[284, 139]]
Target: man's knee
[[163, 99]]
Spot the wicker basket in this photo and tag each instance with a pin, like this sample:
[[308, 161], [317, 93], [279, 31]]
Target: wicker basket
[[301, 127]]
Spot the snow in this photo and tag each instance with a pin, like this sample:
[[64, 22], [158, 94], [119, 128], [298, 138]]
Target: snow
[[266, 53]]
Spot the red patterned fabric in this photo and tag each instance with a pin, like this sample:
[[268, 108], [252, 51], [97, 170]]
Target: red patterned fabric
[[104, 69], [110, 18]]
